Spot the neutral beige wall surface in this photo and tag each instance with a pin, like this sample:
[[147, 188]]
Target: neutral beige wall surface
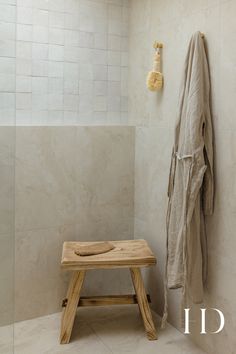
[[72, 183], [7, 184], [173, 22]]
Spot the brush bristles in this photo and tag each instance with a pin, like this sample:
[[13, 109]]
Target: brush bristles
[[154, 81]]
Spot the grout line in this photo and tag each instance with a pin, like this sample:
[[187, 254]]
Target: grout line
[[101, 340]]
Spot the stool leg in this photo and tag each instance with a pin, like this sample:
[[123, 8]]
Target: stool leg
[[69, 312], [143, 303]]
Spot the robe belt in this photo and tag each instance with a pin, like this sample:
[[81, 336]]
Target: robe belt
[[183, 156]]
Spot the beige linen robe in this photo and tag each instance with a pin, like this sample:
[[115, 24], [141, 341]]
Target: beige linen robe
[[190, 188]]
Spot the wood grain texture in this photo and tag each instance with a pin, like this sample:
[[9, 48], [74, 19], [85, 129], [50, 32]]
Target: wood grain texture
[[143, 303], [69, 312], [126, 254], [108, 300], [131, 254]]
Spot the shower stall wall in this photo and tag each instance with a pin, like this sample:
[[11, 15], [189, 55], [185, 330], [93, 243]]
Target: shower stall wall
[[7, 239], [64, 62], [63, 65], [173, 23], [72, 183]]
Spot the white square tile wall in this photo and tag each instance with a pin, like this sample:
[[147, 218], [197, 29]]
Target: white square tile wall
[[63, 62]]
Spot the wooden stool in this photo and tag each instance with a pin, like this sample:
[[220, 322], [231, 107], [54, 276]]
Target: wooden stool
[[132, 254]]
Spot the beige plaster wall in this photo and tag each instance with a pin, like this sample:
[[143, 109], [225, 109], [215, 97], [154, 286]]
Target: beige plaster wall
[[154, 114], [7, 148], [72, 183]]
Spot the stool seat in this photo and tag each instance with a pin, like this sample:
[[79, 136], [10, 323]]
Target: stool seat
[[132, 254], [126, 254]]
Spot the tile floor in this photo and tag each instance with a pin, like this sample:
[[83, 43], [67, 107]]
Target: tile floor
[[6, 339], [108, 330]]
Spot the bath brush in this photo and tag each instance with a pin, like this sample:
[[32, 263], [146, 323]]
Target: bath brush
[[155, 77]]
